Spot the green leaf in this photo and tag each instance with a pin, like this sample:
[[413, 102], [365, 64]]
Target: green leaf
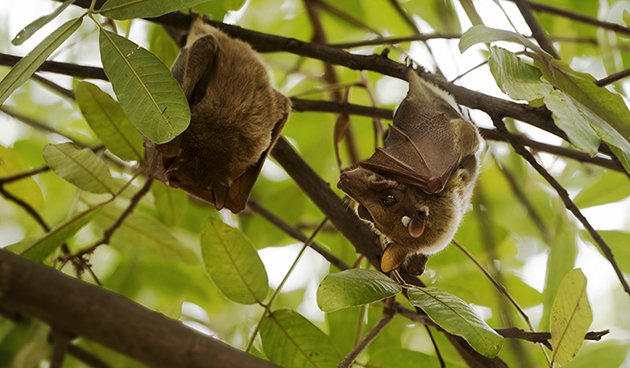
[[170, 203], [11, 163], [109, 123], [38, 23], [608, 106], [568, 116], [482, 34], [150, 96], [402, 358], [129, 9], [290, 340], [38, 250], [24, 68], [516, 78], [457, 317], [354, 287], [142, 234], [570, 317], [618, 242], [592, 355], [610, 187], [81, 167], [233, 263]]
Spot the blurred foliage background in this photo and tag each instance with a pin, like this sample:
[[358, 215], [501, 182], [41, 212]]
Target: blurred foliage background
[[517, 226]]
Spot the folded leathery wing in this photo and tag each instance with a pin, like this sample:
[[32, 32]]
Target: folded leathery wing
[[426, 143]]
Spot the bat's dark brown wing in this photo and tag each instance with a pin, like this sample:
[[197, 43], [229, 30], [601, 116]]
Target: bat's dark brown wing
[[239, 191]]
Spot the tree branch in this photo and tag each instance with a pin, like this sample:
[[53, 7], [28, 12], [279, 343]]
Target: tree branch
[[262, 42], [540, 7], [566, 199], [537, 31], [86, 310]]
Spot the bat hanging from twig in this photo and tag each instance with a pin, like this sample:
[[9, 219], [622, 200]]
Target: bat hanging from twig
[[236, 117], [417, 187]]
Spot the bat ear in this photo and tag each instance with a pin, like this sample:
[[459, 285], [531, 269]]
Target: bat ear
[[415, 225], [393, 256]]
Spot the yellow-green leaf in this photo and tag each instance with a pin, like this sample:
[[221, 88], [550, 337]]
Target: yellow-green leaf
[[38, 23], [354, 287], [38, 250], [24, 68], [129, 9], [233, 263], [11, 163], [80, 167], [290, 340], [457, 317], [571, 317], [109, 122], [150, 96]]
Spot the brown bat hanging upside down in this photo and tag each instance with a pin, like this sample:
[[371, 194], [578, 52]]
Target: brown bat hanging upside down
[[416, 188], [236, 117]]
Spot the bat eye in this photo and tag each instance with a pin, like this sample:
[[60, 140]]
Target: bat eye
[[389, 200]]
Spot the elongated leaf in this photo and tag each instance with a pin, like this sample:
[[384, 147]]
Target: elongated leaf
[[80, 167], [354, 287], [108, 121], [611, 352], [150, 96], [11, 163], [38, 250], [515, 77], [585, 127], [483, 34], [24, 68], [290, 340], [170, 203], [141, 233], [233, 263], [129, 9], [568, 117], [607, 105], [402, 358], [38, 23], [610, 187], [570, 317], [457, 317], [618, 242]]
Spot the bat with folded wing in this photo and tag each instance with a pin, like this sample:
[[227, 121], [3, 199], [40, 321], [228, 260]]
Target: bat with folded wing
[[416, 188]]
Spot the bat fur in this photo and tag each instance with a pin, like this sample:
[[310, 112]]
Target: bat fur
[[236, 117], [416, 189]]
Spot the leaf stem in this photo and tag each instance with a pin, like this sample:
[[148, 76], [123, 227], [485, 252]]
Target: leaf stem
[[276, 292]]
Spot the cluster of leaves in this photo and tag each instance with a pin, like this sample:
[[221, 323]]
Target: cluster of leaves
[[162, 254]]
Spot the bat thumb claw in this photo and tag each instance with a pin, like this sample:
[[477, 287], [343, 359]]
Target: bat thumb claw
[[393, 256]]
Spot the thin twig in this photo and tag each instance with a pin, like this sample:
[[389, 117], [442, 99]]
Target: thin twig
[[346, 17], [540, 7], [294, 233], [9, 179], [352, 355], [613, 78], [534, 26], [42, 126], [276, 292], [522, 198], [86, 357], [395, 40], [566, 199], [438, 354], [109, 232], [26, 207], [54, 86]]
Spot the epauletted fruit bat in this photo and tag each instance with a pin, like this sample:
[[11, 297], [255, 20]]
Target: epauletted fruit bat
[[417, 187], [236, 117]]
